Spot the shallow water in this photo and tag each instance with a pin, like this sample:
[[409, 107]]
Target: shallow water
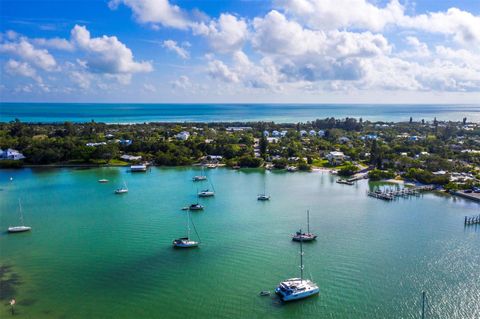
[[93, 254]]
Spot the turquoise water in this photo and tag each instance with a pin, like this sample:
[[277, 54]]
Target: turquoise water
[[280, 113], [93, 254]]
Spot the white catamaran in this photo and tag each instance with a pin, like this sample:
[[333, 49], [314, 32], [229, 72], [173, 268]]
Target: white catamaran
[[186, 242], [297, 288], [308, 236], [22, 227]]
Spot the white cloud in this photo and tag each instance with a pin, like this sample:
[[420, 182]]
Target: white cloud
[[149, 88], [81, 78], [108, 55], [27, 52], [226, 34], [218, 70], [463, 26], [156, 12], [14, 67], [183, 82], [54, 43], [173, 46]]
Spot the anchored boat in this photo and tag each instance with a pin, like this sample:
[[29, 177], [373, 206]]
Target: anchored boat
[[22, 227], [308, 236], [297, 288], [122, 190], [186, 242]]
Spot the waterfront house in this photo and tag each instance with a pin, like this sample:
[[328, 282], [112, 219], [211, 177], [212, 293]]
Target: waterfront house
[[312, 133], [344, 139], [182, 136], [321, 133], [94, 144], [11, 154], [130, 158], [125, 142], [336, 157]]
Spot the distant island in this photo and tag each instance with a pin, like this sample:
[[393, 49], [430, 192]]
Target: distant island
[[431, 152]]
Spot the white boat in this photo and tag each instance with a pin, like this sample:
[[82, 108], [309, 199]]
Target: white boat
[[22, 228], [308, 236], [206, 193], [297, 288], [103, 180], [264, 195], [291, 169], [138, 168], [200, 178], [122, 190], [186, 242]]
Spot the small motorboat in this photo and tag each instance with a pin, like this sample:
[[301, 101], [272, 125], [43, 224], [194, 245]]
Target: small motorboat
[[185, 208], [103, 181], [264, 293]]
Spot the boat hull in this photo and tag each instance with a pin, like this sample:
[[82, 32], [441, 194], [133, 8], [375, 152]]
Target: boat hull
[[296, 296], [19, 229], [184, 243], [121, 191], [304, 238]]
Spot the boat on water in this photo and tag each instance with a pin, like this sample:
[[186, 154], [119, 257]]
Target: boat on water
[[199, 178], [122, 190], [291, 169], [206, 193], [196, 206], [297, 288], [138, 168], [21, 228], [345, 181], [103, 181], [264, 195], [308, 236], [187, 242]]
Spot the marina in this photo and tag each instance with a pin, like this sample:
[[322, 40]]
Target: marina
[[391, 194], [241, 238]]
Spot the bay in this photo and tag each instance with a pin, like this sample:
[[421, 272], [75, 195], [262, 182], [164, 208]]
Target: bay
[[93, 254]]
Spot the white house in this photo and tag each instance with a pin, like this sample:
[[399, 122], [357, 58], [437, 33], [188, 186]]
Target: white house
[[336, 157], [321, 133], [266, 133], [96, 144], [130, 158], [312, 133], [275, 133], [182, 136], [283, 133], [11, 154], [303, 133]]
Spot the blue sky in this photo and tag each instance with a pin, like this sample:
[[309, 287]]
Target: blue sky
[[302, 51]]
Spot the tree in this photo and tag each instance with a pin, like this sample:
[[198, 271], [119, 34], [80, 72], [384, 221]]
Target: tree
[[411, 120], [263, 146]]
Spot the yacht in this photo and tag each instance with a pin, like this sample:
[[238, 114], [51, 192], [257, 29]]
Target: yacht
[[308, 236], [200, 178], [297, 288], [186, 242], [22, 227]]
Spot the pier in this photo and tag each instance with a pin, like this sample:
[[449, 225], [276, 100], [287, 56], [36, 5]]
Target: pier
[[389, 195], [472, 220]]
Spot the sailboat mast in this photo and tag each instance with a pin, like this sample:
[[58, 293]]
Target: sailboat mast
[[308, 221], [188, 225], [301, 258], [423, 304], [21, 212]]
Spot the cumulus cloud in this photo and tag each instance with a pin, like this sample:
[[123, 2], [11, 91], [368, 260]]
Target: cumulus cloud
[[27, 52], [156, 12], [219, 70], [463, 26], [54, 43], [14, 67], [107, 55], [183, 82], [174, 47], [226, 34]]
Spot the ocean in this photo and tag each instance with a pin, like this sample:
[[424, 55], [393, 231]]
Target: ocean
[[280, 113]]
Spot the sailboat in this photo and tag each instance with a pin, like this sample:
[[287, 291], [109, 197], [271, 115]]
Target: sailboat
[[199, 178], [207, 192], [22, 228], [186, 242], [297, 288], [308, 236], [264, 195], [122, 190]]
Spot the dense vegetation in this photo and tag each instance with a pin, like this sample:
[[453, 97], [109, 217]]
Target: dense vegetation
[[412, 149]]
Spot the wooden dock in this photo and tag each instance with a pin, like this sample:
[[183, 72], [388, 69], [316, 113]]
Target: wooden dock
[[389, 195], [472, 220]]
